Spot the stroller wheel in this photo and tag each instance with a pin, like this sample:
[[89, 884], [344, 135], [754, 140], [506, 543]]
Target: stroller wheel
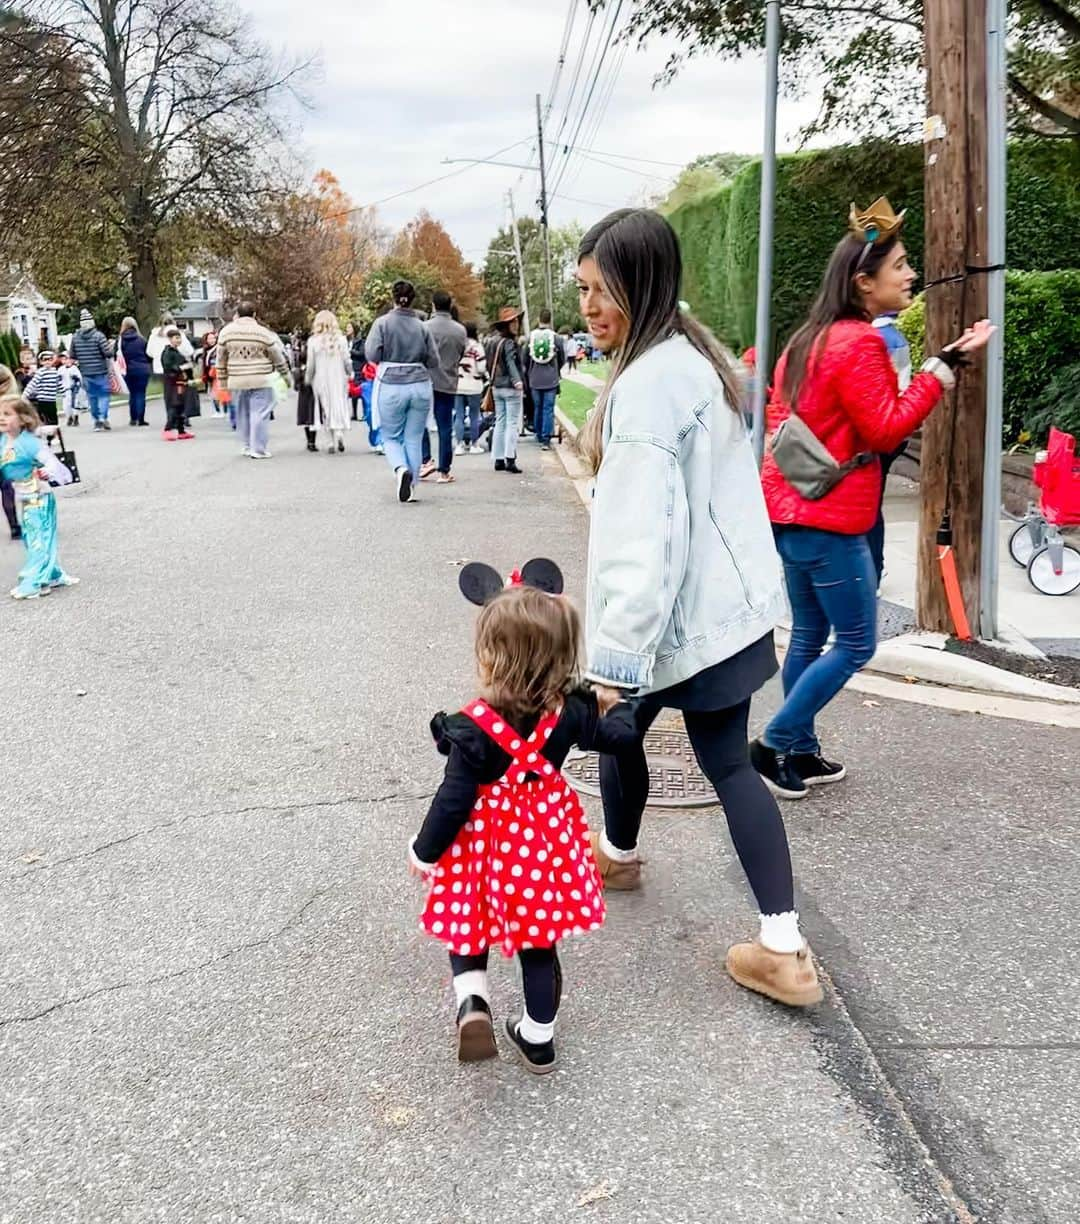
[[1021, 545], [1043, 578]]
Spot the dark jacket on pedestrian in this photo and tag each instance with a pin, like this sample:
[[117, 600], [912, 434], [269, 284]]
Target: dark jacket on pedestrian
[[91, 351], [133, 347], [450, 339], [503, 360], [544, 375], [356, 356]]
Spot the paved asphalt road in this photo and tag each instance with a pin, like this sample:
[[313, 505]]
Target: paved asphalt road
[[215, 1004]]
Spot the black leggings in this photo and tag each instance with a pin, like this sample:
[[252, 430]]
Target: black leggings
[[540, 977], [7, 493], [718, 738]]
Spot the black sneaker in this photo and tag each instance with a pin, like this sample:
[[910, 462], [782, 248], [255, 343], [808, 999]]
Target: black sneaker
[[476, 1035], [538, 1059], [142, 424], [777, 770], [105, 425], [511, 466], [404, 484], [500, 465], [340, 447], [815, 770], [16, 532]]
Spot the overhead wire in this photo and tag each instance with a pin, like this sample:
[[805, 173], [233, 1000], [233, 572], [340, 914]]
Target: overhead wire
[[599, 60]]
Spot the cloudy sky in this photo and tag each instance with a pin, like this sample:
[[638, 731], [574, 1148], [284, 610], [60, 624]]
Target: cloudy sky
[[404, 84]]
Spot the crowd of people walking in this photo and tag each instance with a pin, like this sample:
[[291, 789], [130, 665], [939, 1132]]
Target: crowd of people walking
[[690, 553]]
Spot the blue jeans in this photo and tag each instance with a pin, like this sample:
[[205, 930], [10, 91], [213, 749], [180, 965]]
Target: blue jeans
[[137, 396], [831, 584], [253, 408], [471, 404], [444, 420], [544, 417], [403, 415], [97, 392], [504, 438]]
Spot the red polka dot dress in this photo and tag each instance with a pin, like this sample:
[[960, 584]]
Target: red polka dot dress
[[520, 873]]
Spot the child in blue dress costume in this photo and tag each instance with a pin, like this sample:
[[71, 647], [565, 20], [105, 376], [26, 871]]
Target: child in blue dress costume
[[29, 464]]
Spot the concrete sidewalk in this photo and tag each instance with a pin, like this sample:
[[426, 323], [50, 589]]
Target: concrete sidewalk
[[215, 1002]]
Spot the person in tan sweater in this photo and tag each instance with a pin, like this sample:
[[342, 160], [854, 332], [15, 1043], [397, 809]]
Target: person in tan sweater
[[249, 357]]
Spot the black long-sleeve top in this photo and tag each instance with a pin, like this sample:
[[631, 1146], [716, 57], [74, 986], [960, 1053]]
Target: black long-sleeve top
[[475, 760]]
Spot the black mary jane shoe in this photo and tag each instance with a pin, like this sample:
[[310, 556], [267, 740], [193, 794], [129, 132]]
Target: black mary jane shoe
[[537, 1059], [476, 1034]]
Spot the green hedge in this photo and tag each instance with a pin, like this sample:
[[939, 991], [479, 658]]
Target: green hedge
[[718, 231], [10, 347]]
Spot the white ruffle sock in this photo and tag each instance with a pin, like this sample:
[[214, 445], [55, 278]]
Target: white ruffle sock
[[780, 932]]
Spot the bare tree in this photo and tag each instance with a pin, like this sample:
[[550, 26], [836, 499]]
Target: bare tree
[[189, 112]]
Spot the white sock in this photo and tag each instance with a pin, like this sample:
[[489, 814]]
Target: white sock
[[534, 1032], [471, 982], [780, 932], [614, 853]]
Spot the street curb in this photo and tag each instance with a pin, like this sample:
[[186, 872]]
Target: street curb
[[923, 657], [916, 668]]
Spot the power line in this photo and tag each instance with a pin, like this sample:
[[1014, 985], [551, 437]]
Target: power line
[[605, 102], [577, 74], [649, 161], [599, 64], [429, 183]]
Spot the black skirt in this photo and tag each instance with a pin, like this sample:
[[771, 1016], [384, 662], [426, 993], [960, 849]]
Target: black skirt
[[725, 684], [305, 407]]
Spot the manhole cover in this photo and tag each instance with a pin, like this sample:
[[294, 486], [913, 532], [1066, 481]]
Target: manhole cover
[[675, 781]]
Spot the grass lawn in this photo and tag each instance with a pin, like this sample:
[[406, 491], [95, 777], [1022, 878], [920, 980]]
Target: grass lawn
[[598, 369], [576, 400]]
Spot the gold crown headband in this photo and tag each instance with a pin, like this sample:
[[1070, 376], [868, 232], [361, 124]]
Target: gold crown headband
[[876, 223]]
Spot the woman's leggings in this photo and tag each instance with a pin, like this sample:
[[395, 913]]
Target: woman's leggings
[[540, 979], [718, 738], [7, 493]]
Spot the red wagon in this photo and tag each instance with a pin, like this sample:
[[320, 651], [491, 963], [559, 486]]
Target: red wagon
[[1037, 544]]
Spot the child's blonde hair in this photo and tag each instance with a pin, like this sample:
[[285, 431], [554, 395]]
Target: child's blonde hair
[[527, 645], [8, 385], [24, 410]]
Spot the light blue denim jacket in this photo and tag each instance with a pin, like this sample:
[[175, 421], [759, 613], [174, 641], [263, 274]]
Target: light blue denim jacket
[[683, 571]]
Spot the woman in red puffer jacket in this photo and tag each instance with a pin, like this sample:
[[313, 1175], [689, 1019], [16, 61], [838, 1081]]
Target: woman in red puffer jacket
[[837, 375]]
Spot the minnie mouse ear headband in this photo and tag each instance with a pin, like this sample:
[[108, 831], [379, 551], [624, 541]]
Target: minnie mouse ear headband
[[480, 583], [876, 223]]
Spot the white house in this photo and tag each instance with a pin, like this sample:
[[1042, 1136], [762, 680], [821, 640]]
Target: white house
[[27, 312], [203, 307]]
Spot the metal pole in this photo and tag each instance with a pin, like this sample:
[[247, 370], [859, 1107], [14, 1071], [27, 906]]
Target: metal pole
[[544, 214], [763, 337], [520, 261], [997, 152]]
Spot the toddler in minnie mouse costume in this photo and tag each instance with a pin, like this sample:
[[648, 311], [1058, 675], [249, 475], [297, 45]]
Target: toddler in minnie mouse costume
[[505, 846]]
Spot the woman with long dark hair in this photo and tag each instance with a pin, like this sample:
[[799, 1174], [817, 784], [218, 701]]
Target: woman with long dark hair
[[402, 348], [837, 378], [684, 584]]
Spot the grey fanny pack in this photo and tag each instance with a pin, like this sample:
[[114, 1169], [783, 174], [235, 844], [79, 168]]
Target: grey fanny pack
[[805, 461]]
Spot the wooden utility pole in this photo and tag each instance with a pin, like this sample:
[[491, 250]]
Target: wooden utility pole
[[956, 240], [548, 289]]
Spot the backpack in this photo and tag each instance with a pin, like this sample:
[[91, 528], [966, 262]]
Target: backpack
[[542, 346]]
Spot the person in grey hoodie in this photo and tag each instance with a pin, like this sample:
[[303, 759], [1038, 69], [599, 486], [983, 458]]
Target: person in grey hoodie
[[92, 353], [450, 339], [403, 349]]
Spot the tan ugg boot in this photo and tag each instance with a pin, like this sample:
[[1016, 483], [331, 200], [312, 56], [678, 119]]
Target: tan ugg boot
[[788, 977], [621, 877]]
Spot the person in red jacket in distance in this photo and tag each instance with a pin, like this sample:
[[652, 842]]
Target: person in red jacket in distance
[[837, 375]]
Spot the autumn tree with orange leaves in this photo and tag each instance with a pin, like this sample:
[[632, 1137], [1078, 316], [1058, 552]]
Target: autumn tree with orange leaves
[[309, 251], [424, 242]]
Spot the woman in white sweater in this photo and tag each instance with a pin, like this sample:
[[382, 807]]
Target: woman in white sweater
[[328, 370]]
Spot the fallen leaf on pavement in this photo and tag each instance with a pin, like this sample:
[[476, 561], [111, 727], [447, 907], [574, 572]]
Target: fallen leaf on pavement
[[31, 856], [401, 1115], [597, 1194], [874, 705], [911, 679], [80, 692]]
